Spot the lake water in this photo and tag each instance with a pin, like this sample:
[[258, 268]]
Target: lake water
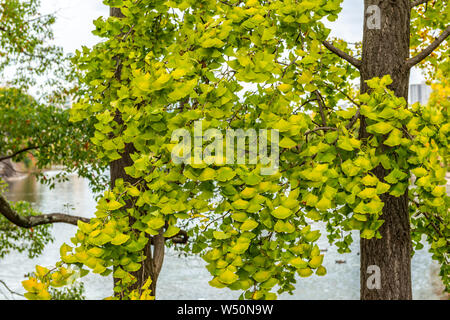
[[187, 278]]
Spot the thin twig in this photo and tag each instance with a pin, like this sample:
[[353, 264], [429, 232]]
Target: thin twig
[[320, 129], [10, 291]]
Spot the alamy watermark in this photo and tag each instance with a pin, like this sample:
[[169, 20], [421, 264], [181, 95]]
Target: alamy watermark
[[374, 280], [373, 14], [232, 147]]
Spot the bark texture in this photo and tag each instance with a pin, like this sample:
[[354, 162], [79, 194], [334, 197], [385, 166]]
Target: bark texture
[[385, 51]]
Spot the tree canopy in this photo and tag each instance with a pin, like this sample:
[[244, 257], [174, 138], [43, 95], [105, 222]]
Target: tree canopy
[[166, 65], [25, 49], [263, 67]]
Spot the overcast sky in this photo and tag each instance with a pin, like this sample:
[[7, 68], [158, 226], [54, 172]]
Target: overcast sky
[[74, 23]]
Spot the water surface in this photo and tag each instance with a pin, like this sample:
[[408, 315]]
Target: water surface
[[185, 278]]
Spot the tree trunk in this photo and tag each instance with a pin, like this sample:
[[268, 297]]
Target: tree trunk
[[154, 258], [7, 169], [385, 51]]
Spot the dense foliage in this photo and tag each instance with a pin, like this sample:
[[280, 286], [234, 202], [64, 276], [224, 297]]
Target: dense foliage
[[257, 65]]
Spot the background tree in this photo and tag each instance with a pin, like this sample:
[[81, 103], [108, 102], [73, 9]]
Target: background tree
[[25, 37], [346, 158], [39, 127]]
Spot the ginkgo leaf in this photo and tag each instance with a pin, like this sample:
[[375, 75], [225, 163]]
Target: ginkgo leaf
[[419, 172], [220, 235], [381, 128], [284, 226], [284, 87], [368, 193], [212, 42], [316, 261], [321, 271], [312, 236], [394, 139], [171, 231], [156, 223], [298, 263], [261, 276], [282, 212], [143, 82], [239, 216], [225, 174], [324, 204], [119, 239], [216, 283], [369, 180], [305, 272], [240, 204], [287, 143], [207, 174], [113, 205], [249, 225], [178, 73], [41, 271], [248, 193]]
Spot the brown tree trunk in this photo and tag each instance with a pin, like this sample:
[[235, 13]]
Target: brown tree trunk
[[385, 51], [154, 258], [7, 168]]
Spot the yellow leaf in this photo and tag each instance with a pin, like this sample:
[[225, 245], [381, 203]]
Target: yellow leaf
[[321, 271], [284, 87], [282, 212], [316, 261], [261, 276], [29, 284], [298, 263], [249, 225], [228, 277], [171, 231], [41, 271], [119, 239], [178, 73], [305, 272], [134, 192], [113, 205]]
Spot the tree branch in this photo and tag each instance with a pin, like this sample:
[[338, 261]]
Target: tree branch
[[418, 2], [427, 51], [34, 55], [33, 221], [353, 120], [288, 66], [18, 152], [352, 60], [181, 238], [321, 107], [320, 129], [10, 291]]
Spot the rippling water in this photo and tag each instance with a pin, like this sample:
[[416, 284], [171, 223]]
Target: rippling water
[[186, 278]]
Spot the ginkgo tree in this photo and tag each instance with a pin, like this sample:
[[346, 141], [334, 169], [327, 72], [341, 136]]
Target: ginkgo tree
[[346, 158]]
